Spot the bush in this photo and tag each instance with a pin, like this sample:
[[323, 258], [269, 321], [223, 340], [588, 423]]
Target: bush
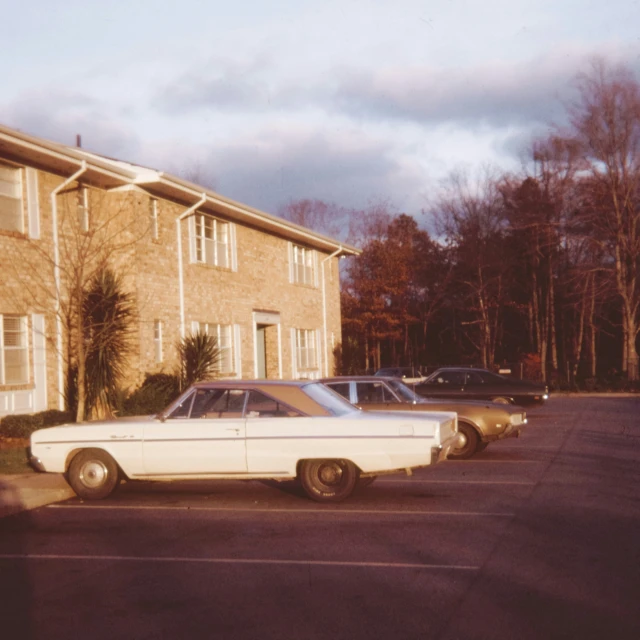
[[156, 392], [23, 425]]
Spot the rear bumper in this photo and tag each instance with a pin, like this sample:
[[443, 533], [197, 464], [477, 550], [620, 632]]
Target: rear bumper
[[440, 452]]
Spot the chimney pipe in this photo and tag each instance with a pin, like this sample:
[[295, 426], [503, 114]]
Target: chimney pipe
[[78, 141]]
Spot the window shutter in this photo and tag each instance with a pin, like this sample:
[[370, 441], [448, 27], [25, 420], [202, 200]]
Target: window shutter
[[234, 246], [319, 354], [33, 204], [294, 355], [237, 351], [316, 279], [39, 362], [191, 225], [290, 249]]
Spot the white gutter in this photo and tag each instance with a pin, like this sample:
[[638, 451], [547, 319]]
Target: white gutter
[[188, 212], [324, 312], [56, 277]]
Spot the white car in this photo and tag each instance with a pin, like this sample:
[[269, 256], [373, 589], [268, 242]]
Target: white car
[[247, 430]]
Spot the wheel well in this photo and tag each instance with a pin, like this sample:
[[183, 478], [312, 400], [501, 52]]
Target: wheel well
[[72, 454], [470, 424], [301, 461]]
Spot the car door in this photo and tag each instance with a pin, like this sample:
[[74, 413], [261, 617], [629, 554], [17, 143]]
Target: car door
[[446, 384], [205, 434]]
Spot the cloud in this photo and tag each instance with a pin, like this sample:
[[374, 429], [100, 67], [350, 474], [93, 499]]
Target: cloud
[[59, 115]]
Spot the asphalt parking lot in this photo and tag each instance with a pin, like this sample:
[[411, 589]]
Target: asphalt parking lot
[[537, 537]]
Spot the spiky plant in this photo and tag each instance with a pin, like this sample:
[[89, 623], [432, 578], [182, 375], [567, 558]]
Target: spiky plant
[[199, 357], [108, 313]]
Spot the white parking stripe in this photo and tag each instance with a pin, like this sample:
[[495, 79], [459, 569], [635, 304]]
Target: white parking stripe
[[516, 482], [248, 561], [376, 512]]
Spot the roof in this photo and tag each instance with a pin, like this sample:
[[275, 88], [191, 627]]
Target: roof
[[109, 173]]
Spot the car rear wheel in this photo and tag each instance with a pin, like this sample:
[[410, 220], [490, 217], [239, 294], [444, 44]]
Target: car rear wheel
[[328, 480], [469, 446], [93, 474]]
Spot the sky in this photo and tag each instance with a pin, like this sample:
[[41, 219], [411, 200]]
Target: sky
[[347, 101]]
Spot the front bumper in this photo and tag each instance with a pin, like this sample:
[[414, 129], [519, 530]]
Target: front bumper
[[440, 452], [34, 461]]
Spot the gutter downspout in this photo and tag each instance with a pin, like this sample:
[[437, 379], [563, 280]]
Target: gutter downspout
[[56, 277], [182, 216], [324, 312]]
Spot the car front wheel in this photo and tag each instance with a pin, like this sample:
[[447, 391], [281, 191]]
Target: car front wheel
[[93, 474], [469, 444], [328, 480]]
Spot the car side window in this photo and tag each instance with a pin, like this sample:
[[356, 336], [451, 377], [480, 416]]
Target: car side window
[[183, 409], [260, 405], [229, 404], [373, 393], [342, 388], [204, 403], [474, 379], [450, 378]]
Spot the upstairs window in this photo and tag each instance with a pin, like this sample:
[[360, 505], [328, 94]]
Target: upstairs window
[[11, 198], [13, 350], [211, 241], [303, 260]]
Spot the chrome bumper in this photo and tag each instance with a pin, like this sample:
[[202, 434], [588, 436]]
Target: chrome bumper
[[440, 452], [34, 461]]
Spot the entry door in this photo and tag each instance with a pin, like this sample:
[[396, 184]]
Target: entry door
[[261, 350]]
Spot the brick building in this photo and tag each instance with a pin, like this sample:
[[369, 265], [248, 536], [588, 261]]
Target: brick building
[[268, 289]]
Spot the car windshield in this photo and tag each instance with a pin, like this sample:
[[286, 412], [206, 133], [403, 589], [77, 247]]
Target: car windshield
[[333, 402], [404, 392]]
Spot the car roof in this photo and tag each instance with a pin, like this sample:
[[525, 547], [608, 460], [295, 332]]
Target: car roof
[[357, 379], [287, 391]]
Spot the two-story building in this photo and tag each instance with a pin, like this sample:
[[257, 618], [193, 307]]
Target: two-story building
[[191, 259]]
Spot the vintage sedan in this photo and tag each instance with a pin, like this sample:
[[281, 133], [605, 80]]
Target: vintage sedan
[[481, 384], [479, 423], [247, 430]]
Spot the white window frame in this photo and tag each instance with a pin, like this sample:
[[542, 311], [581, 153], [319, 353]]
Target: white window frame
[[306, 351], [15, 199], [157, 341], [211, 241], [23, 346], [225, 334], [303, 265]]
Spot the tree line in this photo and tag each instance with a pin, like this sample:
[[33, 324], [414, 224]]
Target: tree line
[[538, 268]]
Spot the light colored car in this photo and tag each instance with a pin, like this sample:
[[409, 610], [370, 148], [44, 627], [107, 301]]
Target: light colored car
[[247, 430], [479, 423]]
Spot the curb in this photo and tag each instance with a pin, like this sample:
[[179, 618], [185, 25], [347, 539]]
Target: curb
[[25, 492]]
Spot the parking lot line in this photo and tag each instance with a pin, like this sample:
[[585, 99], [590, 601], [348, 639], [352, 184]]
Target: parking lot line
[[246, 561], [397, 512]]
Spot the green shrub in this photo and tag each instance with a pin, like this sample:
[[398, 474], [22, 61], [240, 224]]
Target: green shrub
[[23, 425], [156, 392]]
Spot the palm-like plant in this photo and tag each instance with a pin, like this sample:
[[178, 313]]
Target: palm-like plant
[[108, 313], [199, 357]]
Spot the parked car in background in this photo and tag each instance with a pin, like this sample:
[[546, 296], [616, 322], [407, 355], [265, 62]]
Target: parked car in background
[[409, 375], [247, 430], [481, 384], [479, 423]]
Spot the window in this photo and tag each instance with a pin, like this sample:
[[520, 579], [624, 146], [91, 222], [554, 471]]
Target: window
[[342, 388], [153, 214], [211, 241], [374, 392], [13, 350], [306, 349], [157, 340], [10, 199], [260, 405], [302, 265], [223, 335], [83, 209]]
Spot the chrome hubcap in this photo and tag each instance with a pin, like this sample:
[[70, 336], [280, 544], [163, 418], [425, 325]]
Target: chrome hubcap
[[330, 474], [93, 474]]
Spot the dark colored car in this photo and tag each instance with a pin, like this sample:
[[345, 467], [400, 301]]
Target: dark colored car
[[481, 384], [479, 422]]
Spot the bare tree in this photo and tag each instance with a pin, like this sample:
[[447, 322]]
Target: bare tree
[[606, 120]]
